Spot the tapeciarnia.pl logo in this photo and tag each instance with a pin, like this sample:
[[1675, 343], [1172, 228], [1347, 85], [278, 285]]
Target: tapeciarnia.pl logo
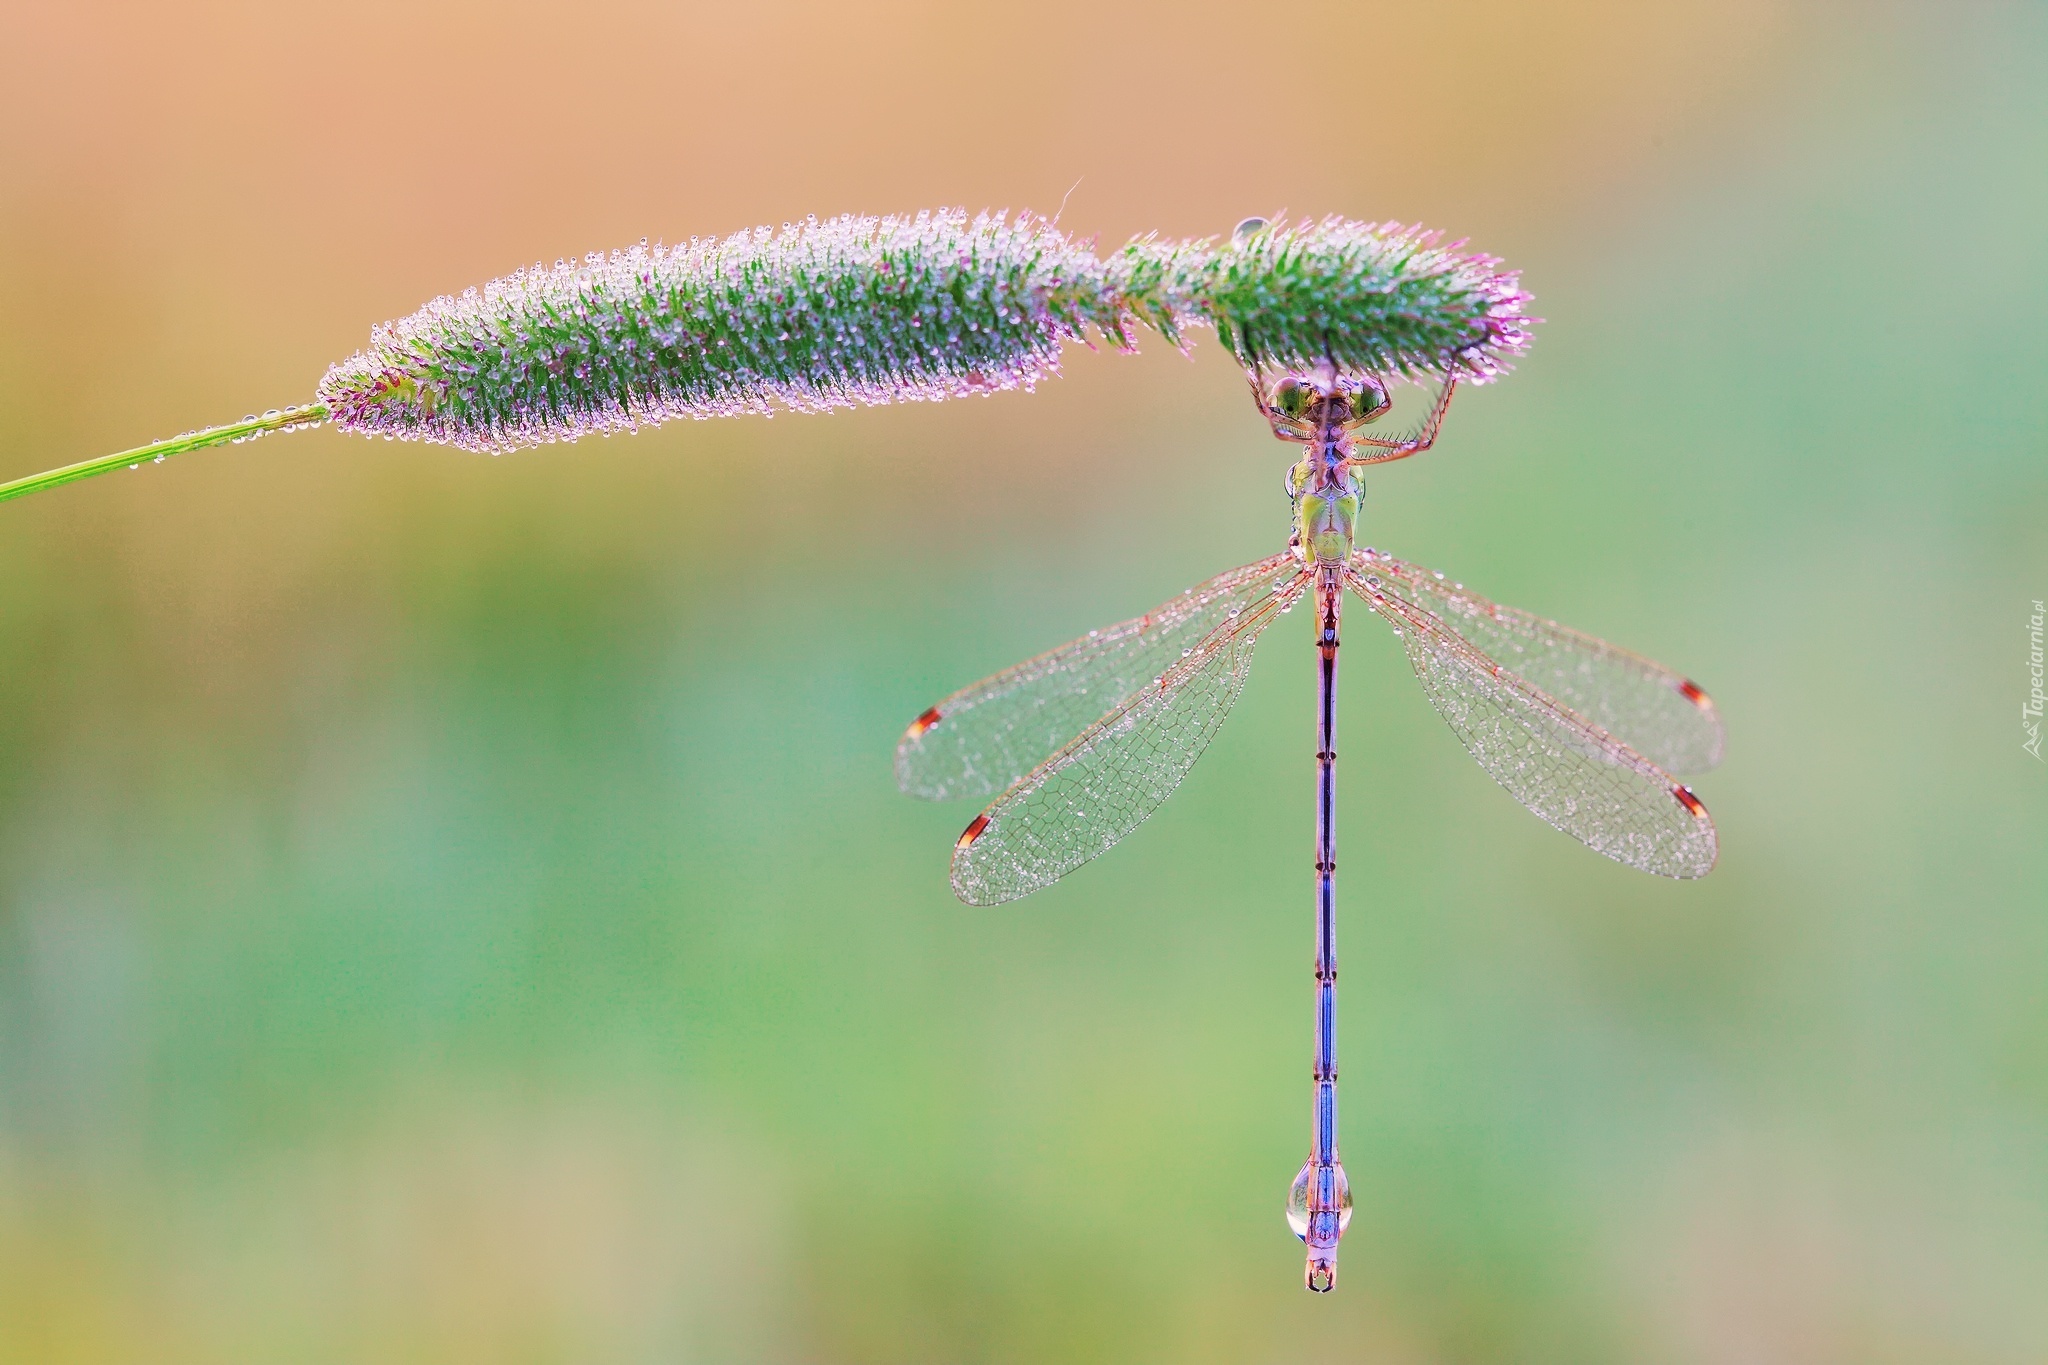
[[2030, 714]]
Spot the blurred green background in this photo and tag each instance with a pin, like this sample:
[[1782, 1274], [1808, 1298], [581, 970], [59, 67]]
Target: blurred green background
[[459, 910]]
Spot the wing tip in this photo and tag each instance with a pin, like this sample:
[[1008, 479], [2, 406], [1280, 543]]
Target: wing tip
[[1703, 825], [971, 883], [908, 782], [1697, 695], [914, 733]]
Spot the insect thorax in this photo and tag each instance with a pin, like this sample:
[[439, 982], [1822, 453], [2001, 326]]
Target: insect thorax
[[1326, 501]]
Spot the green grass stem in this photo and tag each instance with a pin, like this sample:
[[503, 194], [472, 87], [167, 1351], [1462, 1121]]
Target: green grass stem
[[286, 419]]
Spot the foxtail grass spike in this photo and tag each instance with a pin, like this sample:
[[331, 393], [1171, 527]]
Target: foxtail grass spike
[[821, 315], [858, 310], [1383, 297]]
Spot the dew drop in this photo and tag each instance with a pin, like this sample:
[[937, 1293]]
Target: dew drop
[[1297, 1200]]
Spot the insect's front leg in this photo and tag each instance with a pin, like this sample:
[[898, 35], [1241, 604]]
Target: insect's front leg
[[1381, 449]]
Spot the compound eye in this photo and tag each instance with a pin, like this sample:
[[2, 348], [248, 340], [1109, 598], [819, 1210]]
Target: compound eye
[[1295, 398], [1366, 399]]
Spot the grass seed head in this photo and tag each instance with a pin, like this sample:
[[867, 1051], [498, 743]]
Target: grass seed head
[[1380, 297], [820, 315]]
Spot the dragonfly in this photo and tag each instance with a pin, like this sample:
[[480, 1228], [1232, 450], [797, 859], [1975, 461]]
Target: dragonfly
[[1079, 745]]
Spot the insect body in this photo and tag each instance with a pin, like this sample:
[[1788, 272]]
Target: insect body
[[1079, 745], [1326, 485]]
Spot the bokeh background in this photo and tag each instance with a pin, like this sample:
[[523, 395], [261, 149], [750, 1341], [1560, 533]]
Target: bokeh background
[[459, 910]]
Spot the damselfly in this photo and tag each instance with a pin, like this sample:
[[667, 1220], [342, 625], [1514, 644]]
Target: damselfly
[[1079, 745]]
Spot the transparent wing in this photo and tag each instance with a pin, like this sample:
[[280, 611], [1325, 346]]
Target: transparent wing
[[1100, 787], [983, 738], [1663, 716], [1571, 773]]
